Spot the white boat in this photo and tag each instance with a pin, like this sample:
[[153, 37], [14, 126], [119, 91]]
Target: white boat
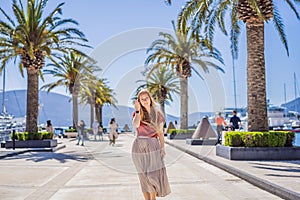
[[278, 117]]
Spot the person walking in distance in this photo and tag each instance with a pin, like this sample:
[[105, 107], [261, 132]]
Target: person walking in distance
[[220, 126], [49, 127], [80, 131], [235, 121], [148, 148], [113, 134], [95, 129]]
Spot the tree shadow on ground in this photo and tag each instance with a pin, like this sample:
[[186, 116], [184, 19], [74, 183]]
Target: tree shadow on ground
[[278, 166], [44, 156]]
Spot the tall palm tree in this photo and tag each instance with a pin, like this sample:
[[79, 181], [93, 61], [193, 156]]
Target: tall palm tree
[[184, 52], [97, 94], [30, 39], [161, 84], [104, 96], [75, 72], [254, 13]]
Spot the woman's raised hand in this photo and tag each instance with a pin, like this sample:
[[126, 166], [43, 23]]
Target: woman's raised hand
[[137, 105]]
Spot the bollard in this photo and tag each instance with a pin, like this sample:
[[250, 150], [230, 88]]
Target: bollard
[[14, 138]]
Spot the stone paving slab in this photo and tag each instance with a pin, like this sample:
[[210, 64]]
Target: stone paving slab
[[99, 171], [279, 177]]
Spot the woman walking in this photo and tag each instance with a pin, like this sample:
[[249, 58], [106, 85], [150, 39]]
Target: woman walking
[[148, 148], [113, 134], [80, 130]]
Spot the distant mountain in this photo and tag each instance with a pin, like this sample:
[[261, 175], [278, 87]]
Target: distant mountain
[[53, 106], [58, 108], [293, 105]]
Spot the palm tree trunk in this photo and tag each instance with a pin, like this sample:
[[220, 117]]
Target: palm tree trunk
[[32, 101], [256, 77], [162, 108], [98, 110], [183, 103], [97, 113], [100, 115], [92, 114], [75, 110]]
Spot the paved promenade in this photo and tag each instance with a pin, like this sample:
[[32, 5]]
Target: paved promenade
[[99, 171]]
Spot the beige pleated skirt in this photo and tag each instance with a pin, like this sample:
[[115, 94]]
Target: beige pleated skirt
[[150, 166]]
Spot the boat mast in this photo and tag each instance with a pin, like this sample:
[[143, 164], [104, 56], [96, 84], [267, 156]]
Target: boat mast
[[285, 100], [295, 90], [234, 83], [3, 92]]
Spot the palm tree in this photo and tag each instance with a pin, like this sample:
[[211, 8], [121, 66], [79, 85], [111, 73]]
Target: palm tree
[[97, 94], [104, 96], [75, 72], [254, 14], [161, 84], [30, 39], [184, 52]]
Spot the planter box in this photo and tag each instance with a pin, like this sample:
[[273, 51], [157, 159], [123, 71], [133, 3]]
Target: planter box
[[31, 144], [71, 134], [179, 136], [202, 141], [258, 153]]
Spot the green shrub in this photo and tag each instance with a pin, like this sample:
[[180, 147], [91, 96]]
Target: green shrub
[[276, 139], [18, 136], [47, 135], [289, 138], [259, 139], [248, 140], [35, 136], [71, 130], [233, 139], [181, 131], [22, 136]]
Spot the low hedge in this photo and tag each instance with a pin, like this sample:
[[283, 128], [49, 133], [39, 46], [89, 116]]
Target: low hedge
[[70, 130], [259, 139], [181, 131], [22, 136]]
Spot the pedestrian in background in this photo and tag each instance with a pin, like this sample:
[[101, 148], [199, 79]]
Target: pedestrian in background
[[49, 127], [80, 131], [113, 133], [235, 121], [148, 148], [220, 126], [95, 129], [100, 132]]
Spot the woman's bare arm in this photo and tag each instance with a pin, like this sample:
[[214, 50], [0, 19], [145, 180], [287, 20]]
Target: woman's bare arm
[[136, 120], [161, 138]]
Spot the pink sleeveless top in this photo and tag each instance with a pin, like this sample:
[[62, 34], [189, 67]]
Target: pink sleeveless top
[[148, 130]]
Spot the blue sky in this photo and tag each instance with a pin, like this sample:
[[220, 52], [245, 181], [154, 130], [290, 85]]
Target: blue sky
[[120, 32]]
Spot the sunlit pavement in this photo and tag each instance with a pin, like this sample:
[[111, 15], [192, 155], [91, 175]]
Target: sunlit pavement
[[100, 171]]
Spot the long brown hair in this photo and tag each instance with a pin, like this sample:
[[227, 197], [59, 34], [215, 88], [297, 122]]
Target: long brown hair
[[145, 116]]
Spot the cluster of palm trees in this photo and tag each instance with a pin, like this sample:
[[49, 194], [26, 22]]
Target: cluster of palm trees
[[181, 54], [33, 39], [195, 31], [30, 37]]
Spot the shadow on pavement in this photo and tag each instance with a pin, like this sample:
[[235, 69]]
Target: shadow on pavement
[[44, 156]]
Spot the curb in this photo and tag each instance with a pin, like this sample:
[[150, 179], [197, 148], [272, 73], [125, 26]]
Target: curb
[[258, 182]]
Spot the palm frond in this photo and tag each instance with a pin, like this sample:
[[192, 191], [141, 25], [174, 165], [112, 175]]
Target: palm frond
[[278, 22]]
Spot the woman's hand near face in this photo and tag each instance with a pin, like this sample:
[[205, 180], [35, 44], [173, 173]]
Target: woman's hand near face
[[137, 105]]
